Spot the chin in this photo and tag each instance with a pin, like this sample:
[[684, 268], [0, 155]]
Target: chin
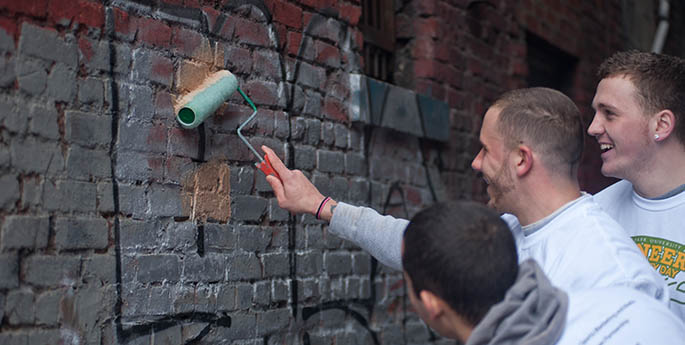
[[609, 172]]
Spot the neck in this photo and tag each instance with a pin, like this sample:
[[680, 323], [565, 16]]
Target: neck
[[666, 173], [458, 327], [541, 196]]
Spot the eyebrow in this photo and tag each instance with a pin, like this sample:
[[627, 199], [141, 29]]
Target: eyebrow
[[604, 106]]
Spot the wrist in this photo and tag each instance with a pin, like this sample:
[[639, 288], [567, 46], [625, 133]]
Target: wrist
[[327, 210]]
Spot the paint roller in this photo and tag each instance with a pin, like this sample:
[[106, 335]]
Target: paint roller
[[202, 102]]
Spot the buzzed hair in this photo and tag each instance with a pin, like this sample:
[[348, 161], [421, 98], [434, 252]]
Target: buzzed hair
[[547, 121], [658, 78], [464, 253]]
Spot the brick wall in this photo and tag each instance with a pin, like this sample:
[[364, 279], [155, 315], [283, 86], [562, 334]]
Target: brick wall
[[117, 226]]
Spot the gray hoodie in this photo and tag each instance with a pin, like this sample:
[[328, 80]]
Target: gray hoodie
[[532, 312]]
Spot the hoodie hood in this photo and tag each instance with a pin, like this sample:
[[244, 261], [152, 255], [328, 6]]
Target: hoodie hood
[[532, 312]]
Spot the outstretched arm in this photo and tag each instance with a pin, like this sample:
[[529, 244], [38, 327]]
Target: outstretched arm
[[294, 191], [380, 236]]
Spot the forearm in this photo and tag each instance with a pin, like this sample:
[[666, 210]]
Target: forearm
[[381, 236]]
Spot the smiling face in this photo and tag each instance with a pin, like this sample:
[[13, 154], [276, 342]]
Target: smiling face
[[492, 162], [621, 129]]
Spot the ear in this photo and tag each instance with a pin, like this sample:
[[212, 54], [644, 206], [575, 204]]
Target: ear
[[663, 124], [524, 160], [432, 303]]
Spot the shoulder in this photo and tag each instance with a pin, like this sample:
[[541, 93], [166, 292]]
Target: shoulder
[[617, 315], [616, 191]]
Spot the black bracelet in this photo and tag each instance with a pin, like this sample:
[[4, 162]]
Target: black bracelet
[[323, 202]]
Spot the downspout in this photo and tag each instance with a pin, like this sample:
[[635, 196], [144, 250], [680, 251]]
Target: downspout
[[662, 29]]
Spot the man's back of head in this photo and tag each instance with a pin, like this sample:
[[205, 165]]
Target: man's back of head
[[462, 252]]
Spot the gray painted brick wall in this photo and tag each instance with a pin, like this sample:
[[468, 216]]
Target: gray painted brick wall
[[91, 258]]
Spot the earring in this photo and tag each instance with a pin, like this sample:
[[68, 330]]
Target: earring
[[656, 137]]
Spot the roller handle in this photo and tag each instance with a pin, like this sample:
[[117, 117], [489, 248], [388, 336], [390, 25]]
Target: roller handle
[[266, 167]]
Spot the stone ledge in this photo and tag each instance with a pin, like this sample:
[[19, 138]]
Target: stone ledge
[[377, 103]]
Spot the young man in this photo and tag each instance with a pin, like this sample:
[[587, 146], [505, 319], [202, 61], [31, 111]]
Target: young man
[[479, 295], [532, 141], [639, 108]]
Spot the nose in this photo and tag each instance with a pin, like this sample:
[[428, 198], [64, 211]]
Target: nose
[[477, 162], [596, 126]]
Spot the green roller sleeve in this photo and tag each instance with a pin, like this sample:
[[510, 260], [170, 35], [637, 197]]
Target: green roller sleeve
[[206, 99]]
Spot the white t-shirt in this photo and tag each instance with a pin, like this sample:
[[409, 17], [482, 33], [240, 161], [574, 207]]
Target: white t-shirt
[[619, 316], [658, 228], [579, 247]]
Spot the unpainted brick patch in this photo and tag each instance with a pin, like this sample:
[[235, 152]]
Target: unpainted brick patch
[[206, 193]]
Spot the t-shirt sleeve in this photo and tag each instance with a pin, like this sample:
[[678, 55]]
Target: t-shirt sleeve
[[381, 236]]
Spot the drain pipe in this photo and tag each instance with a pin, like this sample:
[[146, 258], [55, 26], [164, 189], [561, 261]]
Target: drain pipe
[[662, 29]]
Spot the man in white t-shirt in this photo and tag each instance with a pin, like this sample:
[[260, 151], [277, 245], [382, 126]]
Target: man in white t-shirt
[[639, 108], [532, 141], [480, 295]]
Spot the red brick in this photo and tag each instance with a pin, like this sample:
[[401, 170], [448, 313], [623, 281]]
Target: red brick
[[413, 195], [227, 28], [9, 25], [426, 7], [359, 38], [424, 68], [424, 48], [452, 76], [456, 99], [86, 47], [123, 25], [164, 105], [442, 52], [267, 64], [520, 68], [262, 92], [238, 60], [475, 67], [161, 70], [350, 13], [37, 8], [319, 4], [427, 27], [186, 41], [190, 43], [286, 13], [294, 41], [327, 54], [251, 33], [154, 32], [85, 12], [335, 110], [211, 14], [192, 3], [282, 32]]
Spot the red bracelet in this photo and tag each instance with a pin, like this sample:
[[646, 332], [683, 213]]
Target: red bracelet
[[323, 202]]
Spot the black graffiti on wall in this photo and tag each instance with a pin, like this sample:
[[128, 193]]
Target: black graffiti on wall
[[223, 320]]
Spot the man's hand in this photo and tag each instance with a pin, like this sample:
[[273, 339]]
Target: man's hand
[[294, 191]]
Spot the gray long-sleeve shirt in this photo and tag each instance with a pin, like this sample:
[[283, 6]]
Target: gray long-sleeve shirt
[[379, 235]]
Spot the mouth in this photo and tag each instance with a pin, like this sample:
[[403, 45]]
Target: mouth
[[606, 147]]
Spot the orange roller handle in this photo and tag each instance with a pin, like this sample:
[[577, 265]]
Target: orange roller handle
[[266, 168]]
